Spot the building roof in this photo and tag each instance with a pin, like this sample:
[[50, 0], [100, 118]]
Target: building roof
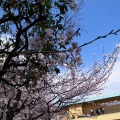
[[100, 97]]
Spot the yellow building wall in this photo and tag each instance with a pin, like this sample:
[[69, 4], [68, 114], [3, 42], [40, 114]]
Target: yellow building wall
[[96, 104], [112, 116], [75, 110], [111, 112]]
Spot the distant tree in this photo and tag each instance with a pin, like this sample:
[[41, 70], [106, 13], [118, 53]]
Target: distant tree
[[37, 39]]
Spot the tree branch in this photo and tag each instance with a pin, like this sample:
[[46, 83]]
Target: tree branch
[[112, 32]]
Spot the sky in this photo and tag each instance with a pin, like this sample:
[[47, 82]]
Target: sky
[[99, 17]]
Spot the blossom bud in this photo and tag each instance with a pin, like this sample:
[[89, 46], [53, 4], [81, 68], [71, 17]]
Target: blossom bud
[[63, 37], [69, 32], [74, 45]]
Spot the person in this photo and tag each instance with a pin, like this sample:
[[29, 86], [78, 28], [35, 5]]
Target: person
[[73, 117], [92, 112], [82, 115], [87, 114], [102, 110], [98, 111]]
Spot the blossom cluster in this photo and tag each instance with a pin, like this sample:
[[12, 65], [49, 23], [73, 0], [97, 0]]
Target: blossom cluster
[[37, 43], [67, 57], [72, 4], [50, 89], [31, 87]]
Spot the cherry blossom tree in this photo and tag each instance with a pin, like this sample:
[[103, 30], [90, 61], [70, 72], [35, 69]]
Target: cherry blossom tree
[[37, 42]]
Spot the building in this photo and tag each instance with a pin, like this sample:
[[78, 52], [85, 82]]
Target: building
[[82, 109]]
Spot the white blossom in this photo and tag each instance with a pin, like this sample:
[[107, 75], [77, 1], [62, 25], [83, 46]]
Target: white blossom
[[69, 32], [63, 37], [62, 56], [33, 56], [49, 32], [41, 56], [73, 4], [79, 60], [71, 49], [37, 43], [75, 45], [77, 51]]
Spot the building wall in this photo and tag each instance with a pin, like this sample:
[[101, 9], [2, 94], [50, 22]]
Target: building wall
[[112, 110], [75, 110], [112, 116], [96, 104]]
